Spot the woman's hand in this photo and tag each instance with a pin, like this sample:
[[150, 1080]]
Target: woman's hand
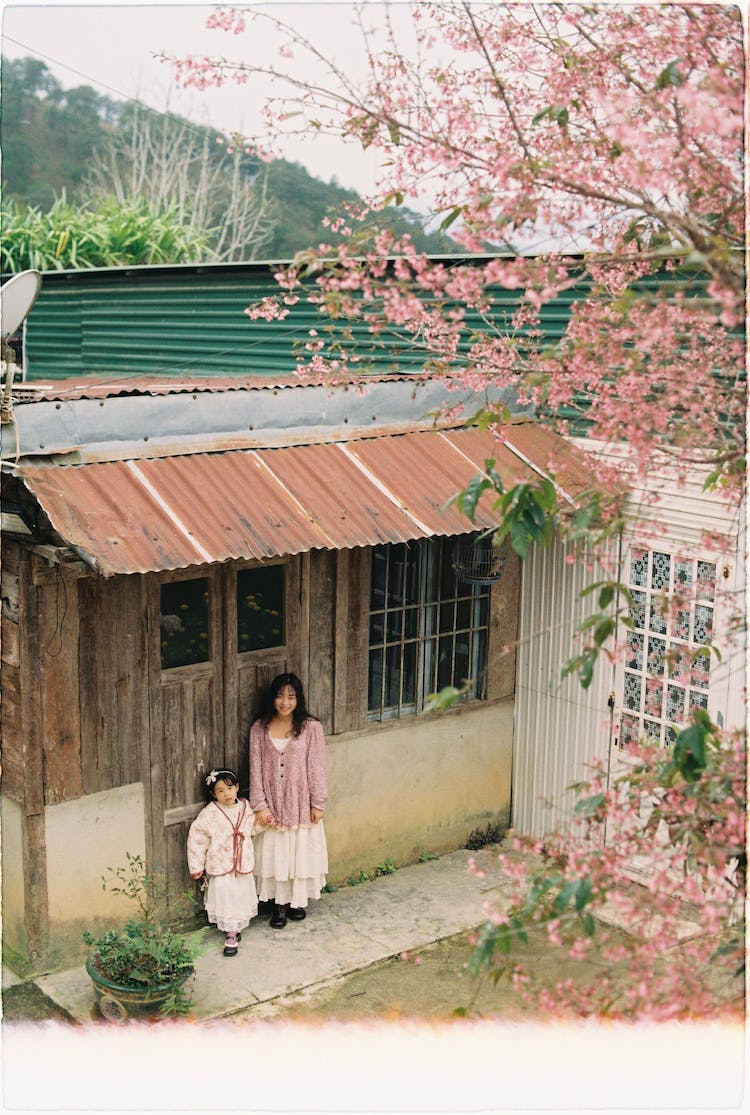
[[266, 817], [316, 814]]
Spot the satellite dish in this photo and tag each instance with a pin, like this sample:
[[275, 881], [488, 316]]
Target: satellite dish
[[17, 296]]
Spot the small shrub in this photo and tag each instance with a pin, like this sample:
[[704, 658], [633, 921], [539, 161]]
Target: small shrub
[[480, 838]]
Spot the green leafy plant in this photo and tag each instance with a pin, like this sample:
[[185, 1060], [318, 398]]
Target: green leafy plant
[[146, 953], [492, 833], [387, 867]]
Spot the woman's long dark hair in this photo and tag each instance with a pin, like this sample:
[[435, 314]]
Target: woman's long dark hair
[[267, 710]]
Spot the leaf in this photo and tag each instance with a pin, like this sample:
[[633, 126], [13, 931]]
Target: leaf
[[565, 896], [454, 214], [520, 539], [587, 807], [394, 132], [584, 892], [689, 751], [670, 75], [541, 115], [603, 630], [606, 596]]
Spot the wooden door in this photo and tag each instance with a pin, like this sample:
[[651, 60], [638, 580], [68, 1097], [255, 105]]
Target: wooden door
[[205, 685], [187, 707]]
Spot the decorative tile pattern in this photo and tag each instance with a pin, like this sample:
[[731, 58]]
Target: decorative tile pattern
[[707, 579], [660, 570], [639, 568]]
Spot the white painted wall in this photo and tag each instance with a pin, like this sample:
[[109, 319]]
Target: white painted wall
[[84, 838], [400, 789], [13, 908], [559, 726]]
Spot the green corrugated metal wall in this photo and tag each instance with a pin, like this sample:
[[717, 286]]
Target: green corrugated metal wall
[[192, 321]]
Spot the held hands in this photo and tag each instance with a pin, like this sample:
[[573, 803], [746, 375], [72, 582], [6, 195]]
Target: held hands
[[266, 817], [316, 814]]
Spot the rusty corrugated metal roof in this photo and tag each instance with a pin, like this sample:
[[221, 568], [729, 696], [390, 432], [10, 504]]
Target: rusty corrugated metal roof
[[173, 512], [107, 387]]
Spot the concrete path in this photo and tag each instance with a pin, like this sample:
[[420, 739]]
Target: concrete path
[[345, 931]]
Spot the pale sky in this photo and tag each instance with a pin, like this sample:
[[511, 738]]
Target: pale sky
[[111, 47]]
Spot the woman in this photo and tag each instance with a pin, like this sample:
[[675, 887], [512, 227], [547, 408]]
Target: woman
[[288, 789]]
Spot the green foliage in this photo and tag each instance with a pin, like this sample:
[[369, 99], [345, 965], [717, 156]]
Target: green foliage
[[50, 136], [528, 512], [145, 953], [446, 697], [694, 793], [106, 234], [387, 867]]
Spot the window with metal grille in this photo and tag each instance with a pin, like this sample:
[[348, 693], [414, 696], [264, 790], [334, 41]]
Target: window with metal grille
[[667, 660], [428, 629]]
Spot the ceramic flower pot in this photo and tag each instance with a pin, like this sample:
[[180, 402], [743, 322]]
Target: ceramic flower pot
[[118, 1003]]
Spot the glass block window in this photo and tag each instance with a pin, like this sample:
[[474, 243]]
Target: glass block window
[[184, 623], [260, 608], [665, 672], [428, 629]]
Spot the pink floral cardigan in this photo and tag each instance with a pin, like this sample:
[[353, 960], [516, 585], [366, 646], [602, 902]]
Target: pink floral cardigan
[[288, 783]]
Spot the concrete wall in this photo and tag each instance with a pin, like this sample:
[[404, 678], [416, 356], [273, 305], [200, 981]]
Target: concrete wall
[[84, 838], [14, 932], [400, 789]]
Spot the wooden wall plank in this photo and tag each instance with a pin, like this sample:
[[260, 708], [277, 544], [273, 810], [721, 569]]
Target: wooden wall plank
[[59, 683], [503, 630], [319, 677], [112, 666], [36, 897], [356, 646]]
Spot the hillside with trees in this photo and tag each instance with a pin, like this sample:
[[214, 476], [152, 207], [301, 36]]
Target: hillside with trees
[[77, 166]]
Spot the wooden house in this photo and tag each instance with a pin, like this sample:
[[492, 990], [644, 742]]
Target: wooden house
[[172, 542]]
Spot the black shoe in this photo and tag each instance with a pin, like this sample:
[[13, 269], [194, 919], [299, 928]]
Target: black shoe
[[296, 913], [231, 949], [278, 917], [265, 906]]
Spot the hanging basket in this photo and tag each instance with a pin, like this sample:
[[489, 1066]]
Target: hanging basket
[[479, 563]]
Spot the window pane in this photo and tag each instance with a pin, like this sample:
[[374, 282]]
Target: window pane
[[377, 627], [260, 608], [375, 679], [463, 614], [409, 676], [394, 626], [184, 623], [447, 617], [445, 661], [378, 576], [392, 676], [396, 574]]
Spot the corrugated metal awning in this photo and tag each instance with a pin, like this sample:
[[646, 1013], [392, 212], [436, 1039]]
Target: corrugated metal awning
[[138, 516]]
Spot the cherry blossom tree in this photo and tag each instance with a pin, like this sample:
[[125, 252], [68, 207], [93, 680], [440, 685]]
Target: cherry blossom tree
[[588, 160], [611, 134]]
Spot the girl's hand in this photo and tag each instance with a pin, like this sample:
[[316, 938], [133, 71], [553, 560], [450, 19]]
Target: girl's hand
[[196, 874], [316, 814], [267, 818]]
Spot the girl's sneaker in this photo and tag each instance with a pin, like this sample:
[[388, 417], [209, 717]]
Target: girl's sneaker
[[230, 944]]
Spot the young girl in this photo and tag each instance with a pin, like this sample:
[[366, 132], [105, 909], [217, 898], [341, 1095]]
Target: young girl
[[288, 791], [220, 845]]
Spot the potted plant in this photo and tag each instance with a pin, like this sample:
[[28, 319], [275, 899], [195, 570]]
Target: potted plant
[[142, 967]]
